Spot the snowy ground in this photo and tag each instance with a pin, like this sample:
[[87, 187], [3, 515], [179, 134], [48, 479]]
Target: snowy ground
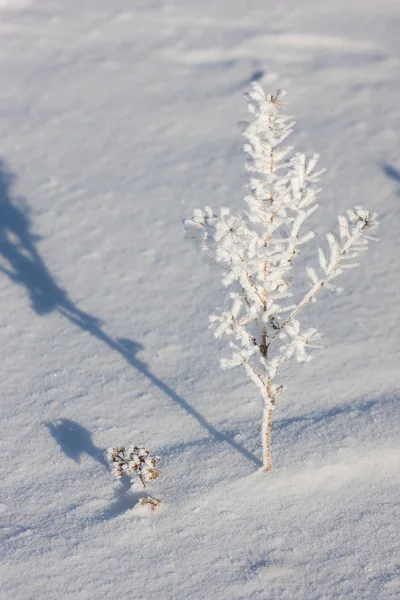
[[116, 119]]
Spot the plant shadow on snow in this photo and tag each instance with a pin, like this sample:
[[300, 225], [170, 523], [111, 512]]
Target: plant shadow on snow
[[125, 499], [306, 421], [392, 173], [294, 427], [257, 74], [74, 440], [25, 267]]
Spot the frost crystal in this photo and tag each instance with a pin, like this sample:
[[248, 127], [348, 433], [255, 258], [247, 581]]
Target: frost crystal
[[136, 462], [255, 251]]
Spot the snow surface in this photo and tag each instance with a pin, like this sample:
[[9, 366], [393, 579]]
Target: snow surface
[[117, 119]]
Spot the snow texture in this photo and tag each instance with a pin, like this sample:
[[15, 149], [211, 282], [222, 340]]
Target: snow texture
[[117, 120]]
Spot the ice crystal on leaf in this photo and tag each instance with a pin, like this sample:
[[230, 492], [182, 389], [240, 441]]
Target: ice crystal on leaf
[[256, 251]]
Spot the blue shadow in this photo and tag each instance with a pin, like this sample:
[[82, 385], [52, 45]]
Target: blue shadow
[[392, 173], [74, 440], [25, 267]]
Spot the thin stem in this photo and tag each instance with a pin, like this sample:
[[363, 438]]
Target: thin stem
[[249, 279], [251, 282], [317, 286], [314, 290], [254, 371], [263, 345], [266, 439], [251, 337]]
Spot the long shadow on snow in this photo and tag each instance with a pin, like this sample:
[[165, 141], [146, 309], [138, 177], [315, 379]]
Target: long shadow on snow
[[321, 416], [301, 423], [25, 267]]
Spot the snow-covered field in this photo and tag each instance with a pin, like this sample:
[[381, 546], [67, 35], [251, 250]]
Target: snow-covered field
[[117, 118]]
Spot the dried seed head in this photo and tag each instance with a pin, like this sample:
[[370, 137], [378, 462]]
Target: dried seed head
[[151, 502]]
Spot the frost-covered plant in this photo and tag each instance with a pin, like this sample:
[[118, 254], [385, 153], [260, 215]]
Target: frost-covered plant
[[256, 250], [135, 462], [151, 502]]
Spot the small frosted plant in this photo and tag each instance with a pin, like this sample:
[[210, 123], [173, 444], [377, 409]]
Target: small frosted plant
[[255, 252], [135, 462], [150, 502]]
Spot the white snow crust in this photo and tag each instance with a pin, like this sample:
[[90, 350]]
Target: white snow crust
[[117, 119]]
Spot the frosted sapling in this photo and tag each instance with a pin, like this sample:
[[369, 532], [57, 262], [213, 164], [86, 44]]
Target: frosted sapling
[[255, 252]]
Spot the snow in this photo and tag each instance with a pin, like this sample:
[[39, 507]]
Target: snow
[[117, 120]]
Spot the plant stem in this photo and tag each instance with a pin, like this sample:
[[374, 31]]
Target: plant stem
[[266, 438]]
